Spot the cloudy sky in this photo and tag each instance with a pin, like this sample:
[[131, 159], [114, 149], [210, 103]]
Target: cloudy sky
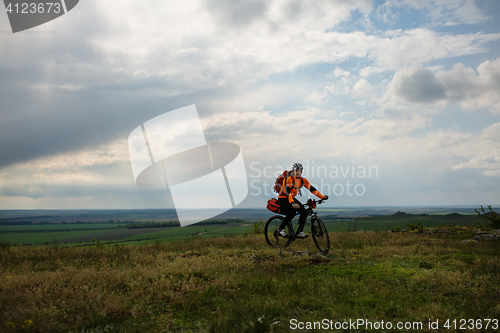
[[390, 103]]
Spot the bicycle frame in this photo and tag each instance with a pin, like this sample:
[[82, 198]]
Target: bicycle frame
[[318, 229], [310, 214]]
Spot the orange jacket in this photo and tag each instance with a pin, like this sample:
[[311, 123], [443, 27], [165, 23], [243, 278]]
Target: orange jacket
[[291, 186]]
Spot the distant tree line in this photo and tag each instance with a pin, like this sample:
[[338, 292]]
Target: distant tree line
[[153, 224], [10, 222], [130, 223]]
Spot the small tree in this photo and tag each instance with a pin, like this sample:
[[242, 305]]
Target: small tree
[[257, 228], [416, 227], [490, 220]]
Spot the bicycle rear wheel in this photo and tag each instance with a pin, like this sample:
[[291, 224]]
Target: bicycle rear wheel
[[273, 238], [320, 235]]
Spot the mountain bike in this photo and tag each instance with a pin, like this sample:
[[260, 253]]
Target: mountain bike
[[318, 229]]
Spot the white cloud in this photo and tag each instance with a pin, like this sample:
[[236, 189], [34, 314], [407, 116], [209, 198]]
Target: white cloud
[[418, 46], [195, 41], [341, 86], [371, 70], [274, 136], [441, 12], [418, 4], [389, 11], [200, 43], [188, 47], [454, 12], [483, 152], [470, 88], [339, 72], [317, 97], [363, 89], [271, 136]]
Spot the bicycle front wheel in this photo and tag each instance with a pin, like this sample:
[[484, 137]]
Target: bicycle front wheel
[[273, 238], [320, 235]]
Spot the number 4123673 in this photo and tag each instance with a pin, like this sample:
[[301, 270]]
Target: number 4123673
[[34, 8], [463, 324]]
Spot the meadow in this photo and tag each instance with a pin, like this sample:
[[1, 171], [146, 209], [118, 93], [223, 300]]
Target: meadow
[[414, 279], [80, 228]]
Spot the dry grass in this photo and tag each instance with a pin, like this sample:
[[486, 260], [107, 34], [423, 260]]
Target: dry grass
[[238, 283]]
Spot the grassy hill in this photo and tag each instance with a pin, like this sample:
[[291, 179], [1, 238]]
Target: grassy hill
[[63, 228], [239, 284], [404, 220]]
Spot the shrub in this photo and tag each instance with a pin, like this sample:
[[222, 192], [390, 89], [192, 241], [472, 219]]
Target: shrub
[[416, 227], [488, 220], [396, 228], [257, 228]]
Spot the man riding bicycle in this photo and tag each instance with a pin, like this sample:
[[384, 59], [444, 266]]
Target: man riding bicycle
[[289, 205]]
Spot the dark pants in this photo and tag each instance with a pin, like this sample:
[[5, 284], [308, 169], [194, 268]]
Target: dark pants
[[289, 212]]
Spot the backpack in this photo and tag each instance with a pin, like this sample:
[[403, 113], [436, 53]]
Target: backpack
[[278, 184], [273, 206]]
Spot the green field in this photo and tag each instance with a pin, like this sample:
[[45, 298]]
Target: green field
[[58, 227], [41, 236], [81, 233]]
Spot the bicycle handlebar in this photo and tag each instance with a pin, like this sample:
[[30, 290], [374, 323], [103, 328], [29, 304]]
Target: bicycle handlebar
[[311, 202]]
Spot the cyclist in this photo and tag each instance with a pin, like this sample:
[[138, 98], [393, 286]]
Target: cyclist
[[289, 205]]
